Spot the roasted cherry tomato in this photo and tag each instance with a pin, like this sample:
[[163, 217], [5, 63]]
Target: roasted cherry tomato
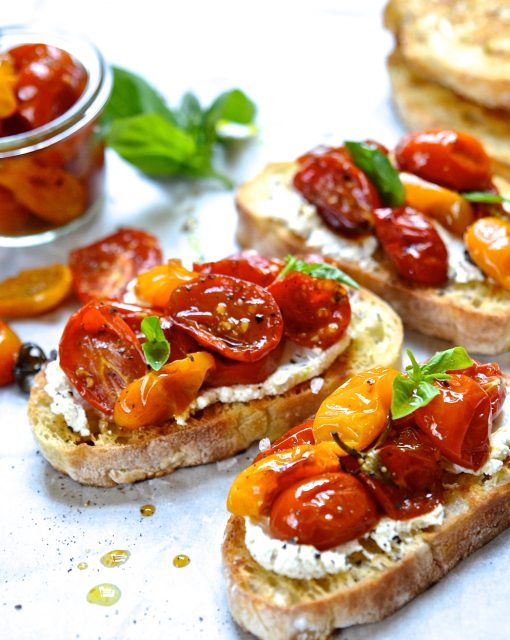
[[255, 488], [490, 377], [235, 318], [342, 193], [8, 79], [300, 434], [450, 158], [100, 354], [155, 285], [133, 314], [413, 245], [34, 291], [10, 345], [102, 270], [323, 511], [316, 311], [458, 421], [246, 265], [358, 410], [161, 395], [488, 244]]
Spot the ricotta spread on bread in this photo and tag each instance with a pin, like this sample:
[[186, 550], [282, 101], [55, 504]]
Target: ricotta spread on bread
[[65, 400]]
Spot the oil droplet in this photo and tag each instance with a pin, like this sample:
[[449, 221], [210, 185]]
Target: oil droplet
[[115, 558], [82, 565], [147, 510], [104, 594], [181, 560]]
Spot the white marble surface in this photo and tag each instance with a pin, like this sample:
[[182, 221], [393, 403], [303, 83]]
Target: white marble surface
[[316, 71]]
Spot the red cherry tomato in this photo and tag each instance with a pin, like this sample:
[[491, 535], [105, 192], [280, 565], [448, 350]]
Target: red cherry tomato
[[413, 245], [102, 270], [458, 421], [324, 511], [246, 265], [235, 318], [100, 354], [9, 348], [316, 311], [342, 193], [450, 158], [490, 377], [300, 434], [133, 314]]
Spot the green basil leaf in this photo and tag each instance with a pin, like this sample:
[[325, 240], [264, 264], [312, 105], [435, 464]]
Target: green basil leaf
[[157, 347], [190, 116], [380, 171], [484, 196], [449, 360], [231, 116], [317, 270], [408, 396]]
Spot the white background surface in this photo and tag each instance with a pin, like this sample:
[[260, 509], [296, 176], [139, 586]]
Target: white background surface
[[316, 71]]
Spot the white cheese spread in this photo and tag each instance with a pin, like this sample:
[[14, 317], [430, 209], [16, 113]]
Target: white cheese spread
[[460, 269], [66, 401]]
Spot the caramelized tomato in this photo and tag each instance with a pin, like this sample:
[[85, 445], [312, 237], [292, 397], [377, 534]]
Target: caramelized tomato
[[488, 244], [10, 345], [237, 319], [102, 270], [300, 434], [316, 311], [342, 193], [490, 377], [100, 354], [323, 511], [413, 245], [246, 265], [155, 285], [450, 158]]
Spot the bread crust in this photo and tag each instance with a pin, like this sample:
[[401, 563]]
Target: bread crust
[[217, 432]]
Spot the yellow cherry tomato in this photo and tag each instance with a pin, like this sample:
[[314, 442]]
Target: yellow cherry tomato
[[160, 395], [488, 244], [156, 285], [34, 291], [9, 348], [358, 410], [448, 207]]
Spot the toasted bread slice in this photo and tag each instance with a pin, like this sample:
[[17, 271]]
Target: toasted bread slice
[[461, 44], [476, 315], [112, 456], [422, 104], [274, 607]]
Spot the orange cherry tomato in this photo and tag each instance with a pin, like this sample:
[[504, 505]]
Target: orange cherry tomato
[[8, 79], [450, 158], [358, 410], [324, 511], [34, 291], [9, 348], [255, 488], [300, 434], [488, 244], [161, 395], [155, 285], [246, 265]]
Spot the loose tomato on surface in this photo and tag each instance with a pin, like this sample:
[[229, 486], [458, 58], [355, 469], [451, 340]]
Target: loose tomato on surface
[[453, 159], [100, 354], [488, 244], [102, 270], [161, 395], [316, 311], [300, 434], [358, 410], [413, 245], [246, 265], [155, 285], [342, 193], [235, 318], [10, 345], [458, 421], [34, 291], [323, 511]]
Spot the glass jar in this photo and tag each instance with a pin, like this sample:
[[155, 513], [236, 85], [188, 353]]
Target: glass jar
[[51, 178]]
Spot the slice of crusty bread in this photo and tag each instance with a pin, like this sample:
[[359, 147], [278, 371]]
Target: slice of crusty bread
[[112, 456], [274, 607], [422, 104], [476, 315], [461, 44]]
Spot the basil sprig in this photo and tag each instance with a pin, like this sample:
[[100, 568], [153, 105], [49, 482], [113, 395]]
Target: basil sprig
[[415, 390], [484, 196], [317, 270], [379, 170], [157, 347]]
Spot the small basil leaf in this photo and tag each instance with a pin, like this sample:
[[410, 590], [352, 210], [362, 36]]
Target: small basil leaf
[[230, 114], [157, 347], [317, 270], [408, 396], [484, 196], [380, 171], [190, 116], [449, 360]]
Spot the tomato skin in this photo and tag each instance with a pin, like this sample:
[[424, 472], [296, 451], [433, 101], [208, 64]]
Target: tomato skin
[[413, 245], [342, 193], [102, 270], [488, 243], [316, 312], [449, 158], [246, 265], [155, 285], [9, 348], [232, 317], [100, 354], [300, 434], [492, 380], [323, 511], [458, 421]]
